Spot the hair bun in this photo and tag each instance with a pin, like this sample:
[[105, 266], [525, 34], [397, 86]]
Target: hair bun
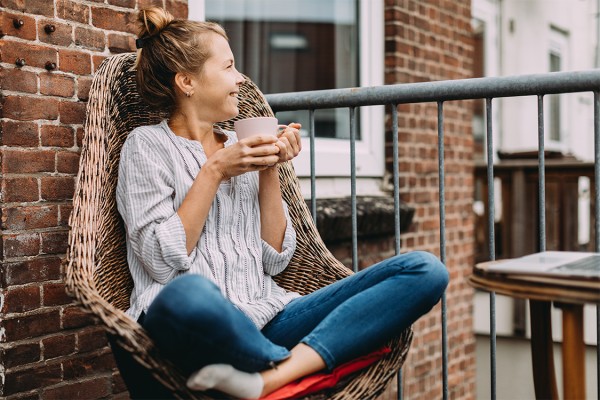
[[153, 20]]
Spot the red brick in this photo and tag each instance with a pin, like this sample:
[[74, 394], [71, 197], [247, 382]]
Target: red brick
[[31, 378], [120, 43], [83, 87], [36, 270], [30, 217], [29, 108], [20, 354], [17, 80], [57, 188], [59, 345], [73, 11], [91, 339], [97, 362], [65, 212], [14, 133], [54, 242], [67, 162], [62, 35], [122, 3], [90, 38], [179, 9], [95, 388], [33, 325], [29, 161], [7, 27], [36, 7], [20, 189], [20, 245], [57, 135], [55, 295], [77, 62], [34, 55], [149, 3], [119, 388], [76, 317], [79, 137], [21, 299], [53, 84], [72, 112], [113, 20], [97, 60]]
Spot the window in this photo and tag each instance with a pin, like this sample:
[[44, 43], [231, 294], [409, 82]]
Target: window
[[555, 121], [299, 45]]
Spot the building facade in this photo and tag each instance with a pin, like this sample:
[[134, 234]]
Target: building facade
[[49, 51]]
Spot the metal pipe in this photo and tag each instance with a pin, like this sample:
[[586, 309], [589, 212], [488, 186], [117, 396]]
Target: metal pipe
[[541, 175], [460, 89], [313, 175], [353, 188], [442, 205], [491, 241]]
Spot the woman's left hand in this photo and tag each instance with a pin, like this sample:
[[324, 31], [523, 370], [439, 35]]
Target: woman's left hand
[[289, 142]]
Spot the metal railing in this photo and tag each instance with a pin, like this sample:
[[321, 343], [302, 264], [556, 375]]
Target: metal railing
[[439, 92]]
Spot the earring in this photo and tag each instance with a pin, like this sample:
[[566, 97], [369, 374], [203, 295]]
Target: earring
[[188, 94]]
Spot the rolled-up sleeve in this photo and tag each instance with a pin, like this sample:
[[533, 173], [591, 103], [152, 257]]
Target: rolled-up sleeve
[[275, 262], [145, 200]]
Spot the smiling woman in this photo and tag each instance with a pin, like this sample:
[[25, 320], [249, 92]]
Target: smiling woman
[[207, 230]]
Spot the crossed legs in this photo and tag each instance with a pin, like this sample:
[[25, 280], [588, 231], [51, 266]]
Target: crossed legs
[[323, 329]]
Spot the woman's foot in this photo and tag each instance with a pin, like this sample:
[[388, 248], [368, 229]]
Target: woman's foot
[[226, 379]]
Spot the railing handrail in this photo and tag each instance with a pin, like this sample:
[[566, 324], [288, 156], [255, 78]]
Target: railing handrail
[[459, 89]]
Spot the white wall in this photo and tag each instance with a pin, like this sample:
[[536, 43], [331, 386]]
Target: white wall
[[529, 29]]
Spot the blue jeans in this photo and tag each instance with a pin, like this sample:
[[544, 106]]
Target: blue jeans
[[342, 321]]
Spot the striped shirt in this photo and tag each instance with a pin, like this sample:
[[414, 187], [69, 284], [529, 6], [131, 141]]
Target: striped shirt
[[156, 170]]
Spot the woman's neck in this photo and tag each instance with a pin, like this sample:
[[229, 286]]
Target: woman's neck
[[195, 129]]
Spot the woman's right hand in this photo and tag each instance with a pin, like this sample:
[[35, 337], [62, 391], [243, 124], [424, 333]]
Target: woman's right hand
[[255, 153]]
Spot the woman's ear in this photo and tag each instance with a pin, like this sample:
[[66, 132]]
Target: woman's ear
[[184, 83]]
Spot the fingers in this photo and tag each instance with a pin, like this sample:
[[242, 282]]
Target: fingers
[[259, 140], [290, 142]]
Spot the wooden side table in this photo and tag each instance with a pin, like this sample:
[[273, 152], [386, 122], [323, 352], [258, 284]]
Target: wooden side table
[[569, 295]]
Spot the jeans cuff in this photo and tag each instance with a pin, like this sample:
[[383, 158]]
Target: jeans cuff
[[323, 352]]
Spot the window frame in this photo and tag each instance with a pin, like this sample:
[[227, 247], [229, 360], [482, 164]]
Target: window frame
[[332, 159]]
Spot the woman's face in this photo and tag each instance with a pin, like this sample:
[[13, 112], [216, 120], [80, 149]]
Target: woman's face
[[218, 83]]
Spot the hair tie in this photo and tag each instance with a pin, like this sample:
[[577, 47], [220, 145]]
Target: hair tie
[[139, 43]]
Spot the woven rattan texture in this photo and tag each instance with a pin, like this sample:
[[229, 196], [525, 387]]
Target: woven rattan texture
[[96, 266]]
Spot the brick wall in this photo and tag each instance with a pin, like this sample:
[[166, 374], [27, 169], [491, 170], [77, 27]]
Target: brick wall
[[49, 50], [48, 347], [430, 40]]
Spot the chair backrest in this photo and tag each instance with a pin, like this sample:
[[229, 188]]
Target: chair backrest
[[97, 273], [114, 110]]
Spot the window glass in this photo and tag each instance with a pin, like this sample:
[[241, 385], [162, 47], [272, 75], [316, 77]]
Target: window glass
[[295, 45]]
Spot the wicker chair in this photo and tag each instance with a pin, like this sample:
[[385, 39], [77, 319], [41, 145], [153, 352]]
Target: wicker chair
[[96, 267]]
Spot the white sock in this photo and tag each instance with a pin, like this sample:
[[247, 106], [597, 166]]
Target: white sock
[[226, 379]]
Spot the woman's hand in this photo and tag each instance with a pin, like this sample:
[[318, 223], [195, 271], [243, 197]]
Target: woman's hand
[[251, 154], [289, 142]]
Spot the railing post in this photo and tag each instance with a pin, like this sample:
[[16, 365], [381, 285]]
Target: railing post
[[491, 241], [313, 177], [597, 217], [396, 182]]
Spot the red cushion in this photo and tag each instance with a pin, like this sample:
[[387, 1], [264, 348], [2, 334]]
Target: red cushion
[[317, 382]]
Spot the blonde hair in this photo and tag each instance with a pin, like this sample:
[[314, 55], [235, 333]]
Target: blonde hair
[[168, 46]]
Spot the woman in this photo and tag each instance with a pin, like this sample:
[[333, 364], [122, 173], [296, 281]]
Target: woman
[[207, 229]]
